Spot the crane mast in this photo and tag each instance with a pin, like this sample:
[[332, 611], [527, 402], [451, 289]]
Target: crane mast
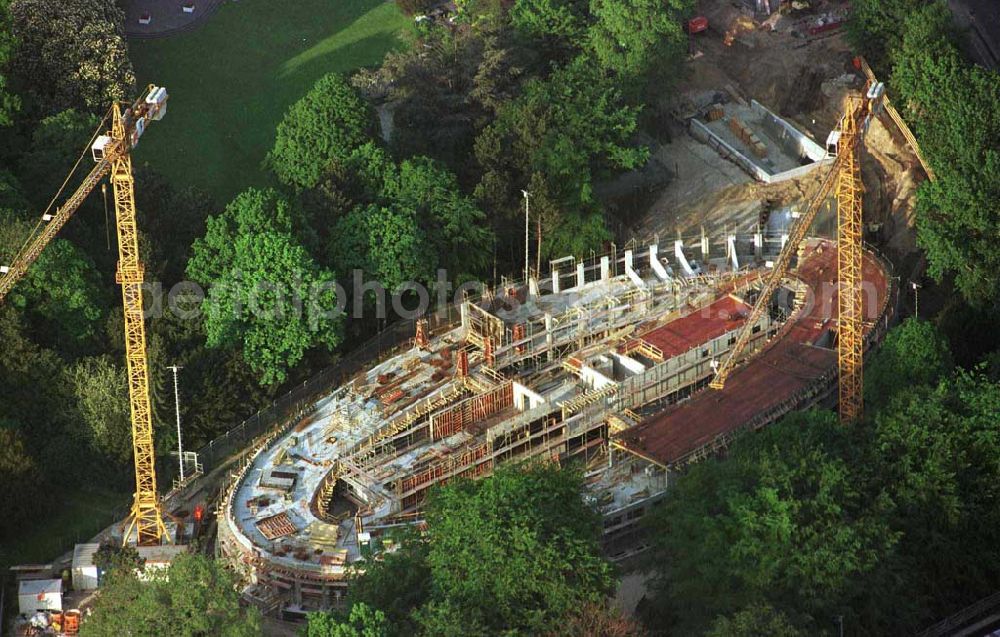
[[844, 178], [111, 153], [146, 517]]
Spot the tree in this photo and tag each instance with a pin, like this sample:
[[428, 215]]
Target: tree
[[515, 552], [556, 136], [363, 621], [593, 620], [20, 476], [323, 127], [787, 520], [912, 354], [938, 450], [753, 621], [397, 582], [101, 390], [71, 54], [556, 26], [267, 293], [455, 226], [61, 292], [639, 40], [955, 107], [56, 143], [873, 27], [387, 242], [9, 102], [194, 597]]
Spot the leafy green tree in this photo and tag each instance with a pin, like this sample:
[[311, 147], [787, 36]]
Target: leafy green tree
[[914, 353], [555, 138], [20, 477], [12, 199], [323, 127], [954, 106], [397, 582], [386, 242], [515, 552], [112, 555], [785, 520], [939, 450], [194, 597], [9, 102], [455, 226], [61, 292], [267, 293], [754, 621], [56, 143], [71, 54], [554, 26], [363, 621], [101, 390], [641, 39], [873, 27]]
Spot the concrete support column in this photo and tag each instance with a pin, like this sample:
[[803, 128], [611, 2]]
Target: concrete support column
[[704, 246], [605, 269], [758, 244], [581, 275], [555, 281]]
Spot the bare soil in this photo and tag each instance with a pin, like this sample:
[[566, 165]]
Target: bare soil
[[803, 78]]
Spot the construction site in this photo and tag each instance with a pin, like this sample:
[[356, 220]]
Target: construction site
[[601, 363], [630, 364]]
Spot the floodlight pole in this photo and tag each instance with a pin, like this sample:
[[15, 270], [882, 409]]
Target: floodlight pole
[[177, 410], [527, 231]]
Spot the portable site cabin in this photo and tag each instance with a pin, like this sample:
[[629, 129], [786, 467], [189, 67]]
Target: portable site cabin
[[35, 595], [85, 576]]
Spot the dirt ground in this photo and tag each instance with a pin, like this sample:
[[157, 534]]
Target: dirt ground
[[802, 78]]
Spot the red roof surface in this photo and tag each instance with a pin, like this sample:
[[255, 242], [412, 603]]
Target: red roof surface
[[698, 327], [789, 364]]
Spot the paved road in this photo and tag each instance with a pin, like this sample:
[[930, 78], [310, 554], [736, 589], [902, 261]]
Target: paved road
[[981, 19]]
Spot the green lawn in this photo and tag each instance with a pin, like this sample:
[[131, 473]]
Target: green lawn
[[69, 517], [231, 80]]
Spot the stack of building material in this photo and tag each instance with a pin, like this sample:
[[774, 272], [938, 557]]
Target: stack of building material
[[276, 526], [747, 136], [715, 112]]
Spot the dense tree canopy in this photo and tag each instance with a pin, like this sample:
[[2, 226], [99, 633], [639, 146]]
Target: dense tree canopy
[[71, 54], [194, 597], [515, 553], [639, 40], [8, 100], [323, 127], [785, 520], [890, 524], [267, 293], [556, 136], [956, 110]]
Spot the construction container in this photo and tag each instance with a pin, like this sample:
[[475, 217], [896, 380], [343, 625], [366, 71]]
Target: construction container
[[84, 569], [39, 595]]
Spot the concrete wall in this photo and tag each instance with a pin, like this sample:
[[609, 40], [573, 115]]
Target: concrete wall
[[794, 139]]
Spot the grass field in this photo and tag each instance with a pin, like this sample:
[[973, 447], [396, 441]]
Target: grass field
[[231, 80], [70, 517]]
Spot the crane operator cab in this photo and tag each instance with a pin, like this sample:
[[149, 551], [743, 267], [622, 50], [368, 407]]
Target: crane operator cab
[[135, 118]]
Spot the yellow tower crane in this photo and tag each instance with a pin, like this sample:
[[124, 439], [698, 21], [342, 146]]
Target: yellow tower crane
[[843, 179], [112, 154]]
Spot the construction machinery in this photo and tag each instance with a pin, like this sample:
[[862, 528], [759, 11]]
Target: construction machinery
[[843, 180], [111, 151]]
